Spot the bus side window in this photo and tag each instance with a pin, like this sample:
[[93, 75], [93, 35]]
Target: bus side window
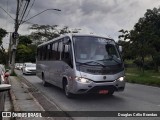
[[43, 53], [57, 54], [48, 52], [38, 53], [53, 52], [67, 54], [41, 49], [60, 50]]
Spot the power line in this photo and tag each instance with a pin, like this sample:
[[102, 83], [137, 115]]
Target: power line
[[21, 3], [25, 9], [28, 22], [7, 13], [29, 10], [40, 13], [7, 16], [24, 6]]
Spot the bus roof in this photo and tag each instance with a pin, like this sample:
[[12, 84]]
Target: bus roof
[[72, 34]]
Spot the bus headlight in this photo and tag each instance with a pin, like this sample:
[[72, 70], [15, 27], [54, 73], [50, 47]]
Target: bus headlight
[[83, 80], [121, 79]]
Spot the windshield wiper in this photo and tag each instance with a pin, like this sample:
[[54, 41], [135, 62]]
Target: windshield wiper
[[111, 58], [86, 63]]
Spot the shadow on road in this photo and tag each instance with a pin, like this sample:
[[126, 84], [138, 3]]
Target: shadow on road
[[88, 97]]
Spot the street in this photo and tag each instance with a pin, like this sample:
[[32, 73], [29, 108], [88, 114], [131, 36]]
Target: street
[[109, 48], [134, 98]]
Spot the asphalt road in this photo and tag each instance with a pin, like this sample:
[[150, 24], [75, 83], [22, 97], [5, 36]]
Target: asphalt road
[[134, 98]]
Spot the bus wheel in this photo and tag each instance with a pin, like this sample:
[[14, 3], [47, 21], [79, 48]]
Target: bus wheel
[[45, 84], [67, 93]]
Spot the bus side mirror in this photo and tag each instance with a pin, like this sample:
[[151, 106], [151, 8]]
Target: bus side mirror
[[120, 48]]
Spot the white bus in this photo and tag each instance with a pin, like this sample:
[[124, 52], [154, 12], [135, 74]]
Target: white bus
[[80, 64]]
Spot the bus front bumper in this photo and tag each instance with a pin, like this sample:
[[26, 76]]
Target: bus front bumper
[[96, 87]]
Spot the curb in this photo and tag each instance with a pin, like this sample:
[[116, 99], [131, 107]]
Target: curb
[[13, 98], [13, 101], [38, 95], [44, 103], [17, 101]]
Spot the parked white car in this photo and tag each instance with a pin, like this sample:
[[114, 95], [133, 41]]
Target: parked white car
[[3, 87], [19, 66], [29, 68], [2, 71]]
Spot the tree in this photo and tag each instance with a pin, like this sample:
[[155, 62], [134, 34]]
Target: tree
[[26, 51], [147, 35], [3, 54], [124, 41], [152, 18], [144, 39], [25, 40], [44, 33], [2, 34]]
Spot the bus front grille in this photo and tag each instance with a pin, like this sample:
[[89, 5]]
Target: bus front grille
[[104, 72]]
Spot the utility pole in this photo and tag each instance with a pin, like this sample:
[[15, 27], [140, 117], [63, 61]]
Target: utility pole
[[9, 48], [14, 45], [17, 24]]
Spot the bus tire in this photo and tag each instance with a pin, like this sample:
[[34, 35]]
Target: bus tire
[[65, 87], [45, 84]]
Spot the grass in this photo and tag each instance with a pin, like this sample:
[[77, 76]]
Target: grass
[[149, 77]]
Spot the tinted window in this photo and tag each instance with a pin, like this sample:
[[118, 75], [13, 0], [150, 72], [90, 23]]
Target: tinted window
[[53, 52], [57, 54], [38, 54], [67, 54], [44, 52], [88, 48], [60, 49], [48, 52]]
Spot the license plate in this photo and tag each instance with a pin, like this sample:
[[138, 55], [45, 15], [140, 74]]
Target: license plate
[[103, 92]]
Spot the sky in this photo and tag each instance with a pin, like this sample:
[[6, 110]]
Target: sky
[[103, 17]]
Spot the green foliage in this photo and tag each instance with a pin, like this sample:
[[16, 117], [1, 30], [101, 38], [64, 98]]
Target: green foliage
[[3, 57], [3, 54], [149, 77], [25, 40], [2, 34], [26, 52], [144, 39], [44, 33], [126, 53], [144, 80], [26, 49]]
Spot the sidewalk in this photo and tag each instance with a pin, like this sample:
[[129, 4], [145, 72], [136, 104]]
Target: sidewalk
[[8, 105], [25, 97], [22, 100]]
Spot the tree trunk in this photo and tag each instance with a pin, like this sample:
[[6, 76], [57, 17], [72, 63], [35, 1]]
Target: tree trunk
[[142, 63], [155, 64]]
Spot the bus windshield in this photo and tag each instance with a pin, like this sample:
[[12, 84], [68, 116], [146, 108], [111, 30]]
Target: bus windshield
[[96, 50]]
